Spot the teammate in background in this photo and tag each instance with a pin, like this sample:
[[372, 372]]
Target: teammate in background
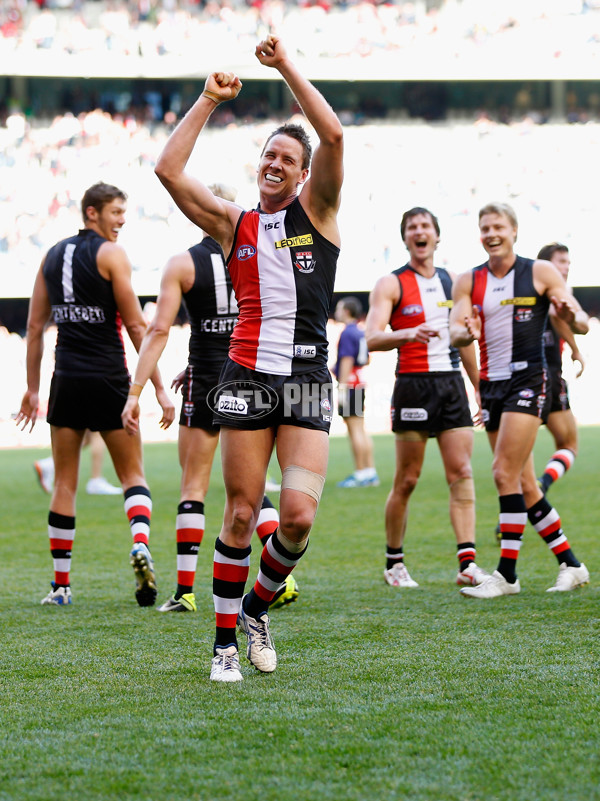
[[429, 398], [282, 259], [560, 421], [199, 279], [97, 484], [352, 355], [84, 284], [504, 304]]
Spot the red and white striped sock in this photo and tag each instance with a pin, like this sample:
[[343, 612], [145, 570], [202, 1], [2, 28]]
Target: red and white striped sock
[[189, 531], [268, 520], [138, 508], [61, 532], [230, 573]]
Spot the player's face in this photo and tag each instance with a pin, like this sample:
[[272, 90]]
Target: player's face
[[562, 262], [109, 220], [420, 237], [280, 168], [498, 235]]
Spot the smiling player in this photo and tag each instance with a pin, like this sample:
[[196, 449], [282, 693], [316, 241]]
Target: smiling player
[[282, 259]]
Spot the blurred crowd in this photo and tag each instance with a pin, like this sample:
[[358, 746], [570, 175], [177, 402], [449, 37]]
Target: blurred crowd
[[323, 29], [549, 173]]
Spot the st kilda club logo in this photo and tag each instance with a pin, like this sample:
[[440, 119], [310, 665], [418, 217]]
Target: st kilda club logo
[[304, 261]]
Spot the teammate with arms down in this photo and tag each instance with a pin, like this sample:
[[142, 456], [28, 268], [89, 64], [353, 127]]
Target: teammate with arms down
[[282, 259], [199, 279], [84, 285], [352, 356], [504, 305], [429, 398]]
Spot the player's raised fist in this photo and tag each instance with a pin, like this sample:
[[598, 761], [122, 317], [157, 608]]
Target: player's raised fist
[[221, 86], [270, 51]]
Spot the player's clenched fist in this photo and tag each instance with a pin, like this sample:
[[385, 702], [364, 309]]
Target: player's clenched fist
[[221, 86]]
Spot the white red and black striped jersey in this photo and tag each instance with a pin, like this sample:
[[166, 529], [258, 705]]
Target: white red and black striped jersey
[[89, 340], [424, 300], [513, 319], [283, 271]]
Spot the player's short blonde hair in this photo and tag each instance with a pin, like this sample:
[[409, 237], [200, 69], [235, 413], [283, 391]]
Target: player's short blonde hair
[[500, 208]]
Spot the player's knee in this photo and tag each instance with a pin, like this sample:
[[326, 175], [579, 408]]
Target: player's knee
[[405, 485], [462, 491], [297, 522]]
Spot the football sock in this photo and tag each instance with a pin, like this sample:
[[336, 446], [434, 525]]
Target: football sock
[[546, 521], [393, 556], [230, 573], [558, 465], [466, 554], [138, 508], [189, 530], [277, 560], [61, 532], [513, 518], [268, 520]]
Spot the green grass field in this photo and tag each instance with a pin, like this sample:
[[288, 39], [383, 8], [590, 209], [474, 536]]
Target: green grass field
[[379, 693]]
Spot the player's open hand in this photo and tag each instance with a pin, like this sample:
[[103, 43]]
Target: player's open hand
[[576, 356], [168, 409], [564, 309], [473, 324], [222, 85], [177, 382], [28, 411], [270, 52], [130, 416]]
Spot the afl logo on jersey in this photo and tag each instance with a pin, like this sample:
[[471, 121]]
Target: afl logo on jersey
[[412, 309], [245, 252], [304, 261]]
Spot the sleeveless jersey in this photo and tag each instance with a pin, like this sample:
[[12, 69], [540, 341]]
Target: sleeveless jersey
[[211, 306], [282, 270], [424, 300], [89, 340], [553, 347], [513, 319]]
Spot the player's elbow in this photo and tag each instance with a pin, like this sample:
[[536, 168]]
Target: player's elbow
[[164, 171]]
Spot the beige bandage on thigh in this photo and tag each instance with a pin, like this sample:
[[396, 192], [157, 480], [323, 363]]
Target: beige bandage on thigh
[[462, 491], [303, 480], [412, 436]]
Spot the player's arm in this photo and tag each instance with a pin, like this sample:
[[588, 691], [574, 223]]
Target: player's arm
[[157, 334], [114, 265], [468, 356], [384, 296], [321, 194], [39, 312], [214, 215], [547, 280], [563, 331], [465, 322]]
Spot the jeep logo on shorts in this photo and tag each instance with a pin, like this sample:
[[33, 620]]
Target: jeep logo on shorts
[[413, 414], [248, 399]]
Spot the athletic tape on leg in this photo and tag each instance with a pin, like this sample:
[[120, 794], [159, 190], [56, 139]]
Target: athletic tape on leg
[[462, 491], [303, 480]]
